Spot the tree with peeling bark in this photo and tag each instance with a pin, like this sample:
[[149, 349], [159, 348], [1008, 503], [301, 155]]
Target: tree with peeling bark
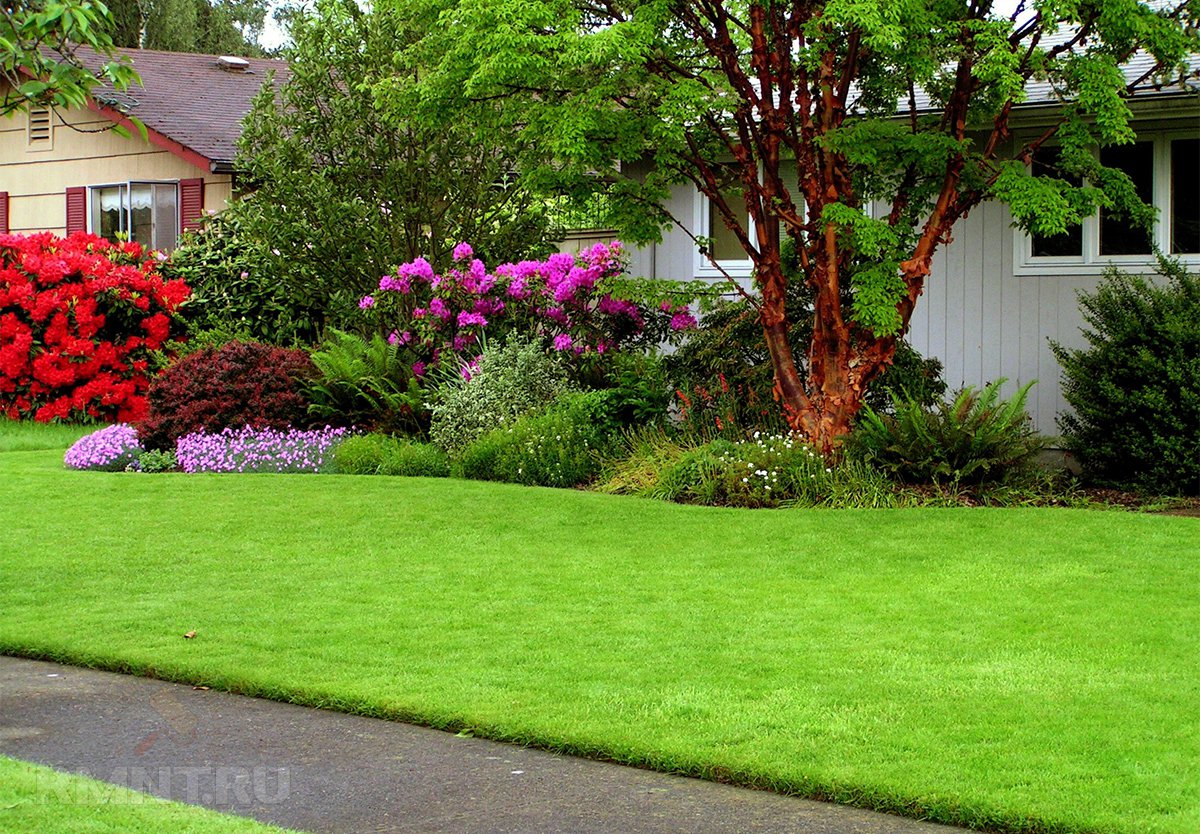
[[862, 130]]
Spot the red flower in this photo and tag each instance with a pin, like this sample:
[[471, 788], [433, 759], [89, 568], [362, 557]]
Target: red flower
[[57, 295]]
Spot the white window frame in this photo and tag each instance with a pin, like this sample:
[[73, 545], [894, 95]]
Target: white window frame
[[735, 268], [1091, 262], [125, 200]]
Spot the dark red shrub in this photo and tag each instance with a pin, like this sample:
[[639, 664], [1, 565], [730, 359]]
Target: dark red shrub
[[238, 384], [80, 320]]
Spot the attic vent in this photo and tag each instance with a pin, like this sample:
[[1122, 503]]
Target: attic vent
[[231, 64], [39, 126]]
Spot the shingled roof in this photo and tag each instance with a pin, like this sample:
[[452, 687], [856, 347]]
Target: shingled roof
[[189, 99]]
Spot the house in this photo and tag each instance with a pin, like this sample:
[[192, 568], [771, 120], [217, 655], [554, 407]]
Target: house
[[996, 298], [67, 170]]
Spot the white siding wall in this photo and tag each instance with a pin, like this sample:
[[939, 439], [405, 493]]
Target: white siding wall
[[983, 322]]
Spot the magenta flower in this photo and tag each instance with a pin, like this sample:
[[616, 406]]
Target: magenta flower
[[683, 321], [418, 369], [463, 252], [366, 302], [438, 308], [563, 341], [466, 319]]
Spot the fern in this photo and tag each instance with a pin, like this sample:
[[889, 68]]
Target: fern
[[367, 384], [976, 438]]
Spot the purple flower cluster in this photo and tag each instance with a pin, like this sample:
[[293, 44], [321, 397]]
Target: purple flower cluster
[[257, 450], [562, 299], [111, 449]]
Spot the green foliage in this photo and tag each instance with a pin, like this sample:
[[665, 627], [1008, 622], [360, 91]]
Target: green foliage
[[640, 392], [239, 284], [215, 27], [1135, 389], [513, 378], [560, 447], [154, 460], [976, 438], [765, 471], [631, 100], [352, 178], [380, 454], [38, 62], [368, 384]]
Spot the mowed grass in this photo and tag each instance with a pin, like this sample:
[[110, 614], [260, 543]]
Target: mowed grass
[[1012, 670], [20, 436], [35, 798]]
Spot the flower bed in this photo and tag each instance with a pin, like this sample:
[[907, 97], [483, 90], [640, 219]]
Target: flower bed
[[258, 450]]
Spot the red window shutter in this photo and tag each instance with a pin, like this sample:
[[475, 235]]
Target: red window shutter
[[3, 212], [76, 209], [191, 204]]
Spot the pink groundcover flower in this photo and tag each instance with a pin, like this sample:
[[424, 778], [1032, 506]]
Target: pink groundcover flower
[[258, 450]]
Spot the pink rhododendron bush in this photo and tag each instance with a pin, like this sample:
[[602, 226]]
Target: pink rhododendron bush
[[580, 305]]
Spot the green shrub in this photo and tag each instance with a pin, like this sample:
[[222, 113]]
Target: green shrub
[[379, 454], [1135, 389], [560, 447], [512, 379], [977, 438], [366, 384], [640, 392], [765, 471], [239, 284], [153, 460]]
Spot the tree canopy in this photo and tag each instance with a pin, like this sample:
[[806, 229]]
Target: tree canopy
[[218, 27], [863, 130], [344, 181]]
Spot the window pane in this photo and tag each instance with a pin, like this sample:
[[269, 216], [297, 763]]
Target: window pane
[[1070, 242], [1185, 196], [1117, 235], [166, 217], [108, 213], [725, 245], [141, 214]]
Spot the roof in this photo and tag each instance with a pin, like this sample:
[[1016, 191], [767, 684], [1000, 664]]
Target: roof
[[188, 99]]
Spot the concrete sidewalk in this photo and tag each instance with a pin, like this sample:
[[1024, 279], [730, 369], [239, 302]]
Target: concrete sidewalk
[[327, 772]]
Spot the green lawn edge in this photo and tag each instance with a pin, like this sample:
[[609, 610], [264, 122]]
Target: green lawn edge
[[947, 812], [50, 801]]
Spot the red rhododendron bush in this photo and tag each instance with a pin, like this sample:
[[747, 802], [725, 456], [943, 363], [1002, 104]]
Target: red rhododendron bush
[[79, 320]]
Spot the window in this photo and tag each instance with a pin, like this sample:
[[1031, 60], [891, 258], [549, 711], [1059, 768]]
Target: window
[[727, 251], [1165, 170], [40, 135], [1185, 196], [1070, 243], [145, 212]]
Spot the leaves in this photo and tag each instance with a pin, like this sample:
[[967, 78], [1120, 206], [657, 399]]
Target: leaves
[[39, 64]]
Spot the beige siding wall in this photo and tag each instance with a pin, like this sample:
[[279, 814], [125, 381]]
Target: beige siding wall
[[83, 152]]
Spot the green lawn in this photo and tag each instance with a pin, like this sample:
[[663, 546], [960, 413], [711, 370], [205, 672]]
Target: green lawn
[[1033, 670], [35, 798], [28, 436]]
